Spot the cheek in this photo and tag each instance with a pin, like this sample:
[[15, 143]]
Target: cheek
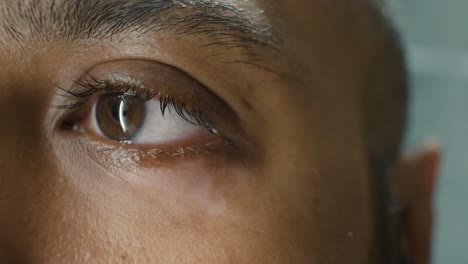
[[192, 188], [115, 211]]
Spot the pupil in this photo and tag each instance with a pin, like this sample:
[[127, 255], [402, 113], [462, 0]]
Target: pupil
[[120, 117], [115, 111]]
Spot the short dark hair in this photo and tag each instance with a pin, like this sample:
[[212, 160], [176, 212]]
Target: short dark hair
[[386, 91], [385, 103]]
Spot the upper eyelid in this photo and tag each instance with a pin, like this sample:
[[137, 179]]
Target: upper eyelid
[[149, 78], [159, 78], [93, 85]]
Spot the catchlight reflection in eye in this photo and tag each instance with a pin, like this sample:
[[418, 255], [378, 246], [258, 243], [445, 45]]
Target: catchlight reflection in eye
[[131, 119]]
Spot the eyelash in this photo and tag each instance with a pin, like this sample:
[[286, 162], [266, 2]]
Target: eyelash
[[95, 86]]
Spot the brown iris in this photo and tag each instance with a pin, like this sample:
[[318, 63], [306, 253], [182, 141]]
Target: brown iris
[[120, 116]]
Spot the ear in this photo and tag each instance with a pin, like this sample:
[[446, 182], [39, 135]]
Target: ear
[[414, 186]]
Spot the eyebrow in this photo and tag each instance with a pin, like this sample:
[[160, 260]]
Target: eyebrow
[[223, 24]]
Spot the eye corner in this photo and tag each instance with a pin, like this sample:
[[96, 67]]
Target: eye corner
[[67, 126]]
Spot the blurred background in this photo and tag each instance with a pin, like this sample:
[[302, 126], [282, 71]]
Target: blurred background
[[435, 33]]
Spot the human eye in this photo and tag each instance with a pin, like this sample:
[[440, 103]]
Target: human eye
[[149, 108], [132, 119], [128, 112]]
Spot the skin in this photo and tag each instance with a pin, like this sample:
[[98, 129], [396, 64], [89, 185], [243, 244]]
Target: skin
[[301, 192]]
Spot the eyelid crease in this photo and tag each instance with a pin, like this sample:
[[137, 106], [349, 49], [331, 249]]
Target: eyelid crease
[[126, 157]]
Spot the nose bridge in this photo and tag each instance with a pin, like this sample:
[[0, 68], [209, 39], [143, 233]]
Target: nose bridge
[[21, 162]]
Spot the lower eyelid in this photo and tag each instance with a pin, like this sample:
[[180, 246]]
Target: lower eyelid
[[131, 159]]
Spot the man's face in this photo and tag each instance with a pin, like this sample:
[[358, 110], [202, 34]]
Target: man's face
[[184, 132]]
